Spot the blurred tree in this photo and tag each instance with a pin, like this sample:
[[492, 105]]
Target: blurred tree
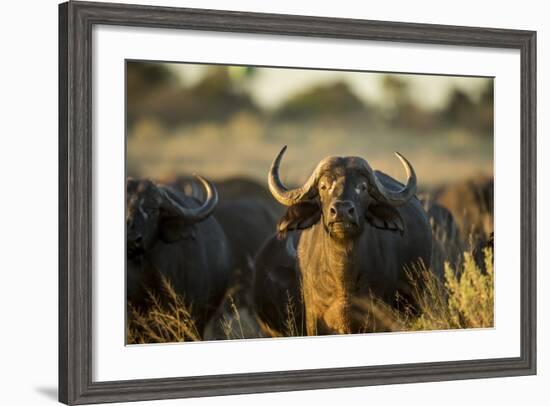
[[487, 93], [220, 94], [143, 77], [216, 82], [332, 100], [213, 98], [396, 92], [459, 108], [242, 74], [142, 80], [486, 107], [465, 112], [399, 108]]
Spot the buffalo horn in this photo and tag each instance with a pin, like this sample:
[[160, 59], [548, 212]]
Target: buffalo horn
[[285, 196], [393, 197], [192, 214]]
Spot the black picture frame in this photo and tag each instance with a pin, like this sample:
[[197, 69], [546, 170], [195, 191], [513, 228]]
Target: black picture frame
[[76, 20]]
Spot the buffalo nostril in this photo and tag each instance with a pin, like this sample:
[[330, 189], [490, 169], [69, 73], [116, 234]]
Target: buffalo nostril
[[139, 239], [332, 211], [351, 211]]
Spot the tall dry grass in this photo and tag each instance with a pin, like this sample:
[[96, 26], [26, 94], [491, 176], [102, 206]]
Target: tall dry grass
[[167, 320], [464, 299], [170, 320]]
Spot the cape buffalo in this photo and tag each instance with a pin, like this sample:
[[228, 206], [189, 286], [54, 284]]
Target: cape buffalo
[[245, 211], [349, 233], [171, 235], [447, 243], [247, 223], [248, 215], [232, 189], [471, 202]]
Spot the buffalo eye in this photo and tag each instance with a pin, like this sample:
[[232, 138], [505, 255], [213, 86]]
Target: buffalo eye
[[150, 210], [325, 184], [362, 187]]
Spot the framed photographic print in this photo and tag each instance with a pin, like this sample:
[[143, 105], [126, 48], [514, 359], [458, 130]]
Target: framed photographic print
[[259, 202]]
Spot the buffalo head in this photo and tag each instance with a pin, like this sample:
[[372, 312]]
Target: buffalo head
[[154, 211], [342, 192]]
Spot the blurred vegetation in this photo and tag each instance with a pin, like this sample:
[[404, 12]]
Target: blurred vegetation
[[143, 78], [400, 110], [331, 100], [163, 100], [154, 92], [215, 127], [142, 81], [462, 111]]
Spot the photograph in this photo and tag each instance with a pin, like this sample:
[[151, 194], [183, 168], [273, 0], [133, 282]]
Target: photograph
[[254, 201], [266, 202]]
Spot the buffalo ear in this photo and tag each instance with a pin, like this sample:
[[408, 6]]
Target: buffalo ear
[[173, 229], [385, 217], [298, 217]]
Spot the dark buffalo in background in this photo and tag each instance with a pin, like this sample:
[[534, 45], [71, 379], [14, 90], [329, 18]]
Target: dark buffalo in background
[[232, 189], [239, 188], [471, 203], [248, 216], [447, 244], [247, 223], [479, 248], [245, 211], [175, 236], [277, 296], [347, 235]]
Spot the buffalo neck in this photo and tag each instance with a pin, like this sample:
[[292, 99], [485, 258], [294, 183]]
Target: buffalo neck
[[329, 269]]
